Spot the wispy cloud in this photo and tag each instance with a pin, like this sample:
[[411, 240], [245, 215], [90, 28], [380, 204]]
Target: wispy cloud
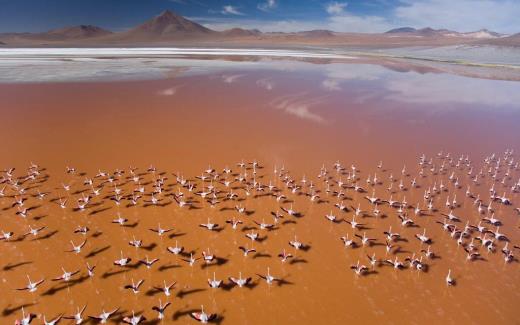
[[336, 8], [359, 24], [268, 5], [461, 15], [223, 23], [230, 10], [341, 20], [344, 23]]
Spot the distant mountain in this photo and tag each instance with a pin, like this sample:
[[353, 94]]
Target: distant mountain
[[401, 30], [60, 35], [80, 32], [166, 25], [428, 31], [512, 40], [169, 28], [317, 33], [75, 32], [239, 32], [483, 33]]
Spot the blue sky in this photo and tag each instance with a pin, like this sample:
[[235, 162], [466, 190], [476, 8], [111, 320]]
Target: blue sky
[[267, 15]]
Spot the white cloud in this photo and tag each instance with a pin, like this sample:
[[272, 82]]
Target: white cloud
[[336, 8], [268, 5], [344, 22], [358, 24], [291, 26], [230, 10], [271, 26], [460, 15]]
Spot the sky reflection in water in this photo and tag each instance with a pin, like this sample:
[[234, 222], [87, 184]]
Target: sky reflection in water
[[386, 83]]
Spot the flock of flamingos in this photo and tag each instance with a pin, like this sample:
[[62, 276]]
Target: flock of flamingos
[[488, 184]]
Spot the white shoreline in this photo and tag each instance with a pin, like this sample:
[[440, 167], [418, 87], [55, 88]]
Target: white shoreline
[[18, 65], [152, 52]]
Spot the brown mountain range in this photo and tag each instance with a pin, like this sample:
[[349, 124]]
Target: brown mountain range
[[167, 25], [169, 28], [512, 40], [81, 31]]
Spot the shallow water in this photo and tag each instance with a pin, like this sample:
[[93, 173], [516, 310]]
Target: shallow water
[[27, 65], [296, 114]]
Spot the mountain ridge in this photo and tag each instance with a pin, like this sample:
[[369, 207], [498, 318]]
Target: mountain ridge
[[168, 27], [167, 24]]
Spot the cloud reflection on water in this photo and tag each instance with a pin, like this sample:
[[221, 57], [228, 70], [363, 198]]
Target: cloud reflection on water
[[299, 105], [402, 82]]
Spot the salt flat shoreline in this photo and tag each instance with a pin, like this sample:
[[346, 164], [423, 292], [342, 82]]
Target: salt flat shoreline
[[161, 52], [464, 55], [475, 62]]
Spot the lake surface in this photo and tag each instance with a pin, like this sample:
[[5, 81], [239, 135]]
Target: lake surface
[[302, 112]]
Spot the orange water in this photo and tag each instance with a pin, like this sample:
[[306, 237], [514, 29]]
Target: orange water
[[297, 124]]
